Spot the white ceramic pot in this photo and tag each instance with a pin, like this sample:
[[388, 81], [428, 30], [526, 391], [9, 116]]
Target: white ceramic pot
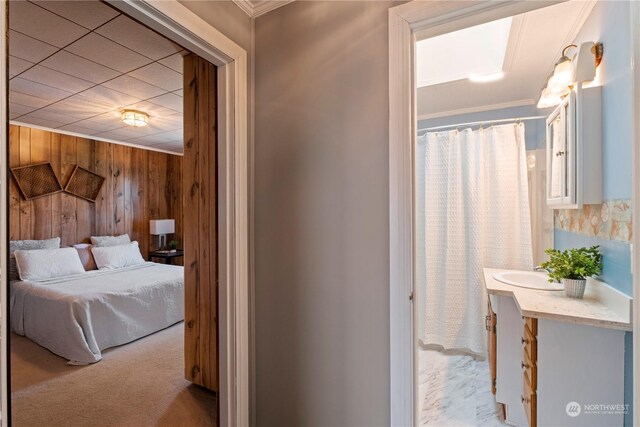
[[574, 288]]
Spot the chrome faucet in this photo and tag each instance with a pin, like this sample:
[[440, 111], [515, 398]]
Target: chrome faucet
[[541, 268]]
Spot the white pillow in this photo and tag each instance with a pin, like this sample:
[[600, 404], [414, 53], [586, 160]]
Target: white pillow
[[43, 264], [113, 257], [27, 245], [103, 241]]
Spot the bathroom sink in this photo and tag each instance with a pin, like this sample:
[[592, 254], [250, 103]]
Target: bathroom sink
[[528, 279]]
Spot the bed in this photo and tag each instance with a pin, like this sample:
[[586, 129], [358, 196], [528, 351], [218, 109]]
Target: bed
[[77, 317]]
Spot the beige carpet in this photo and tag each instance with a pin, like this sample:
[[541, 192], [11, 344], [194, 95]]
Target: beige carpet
[[138, 384]]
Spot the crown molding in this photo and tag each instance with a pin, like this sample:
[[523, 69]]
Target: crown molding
[[479, 109], [255, 9]]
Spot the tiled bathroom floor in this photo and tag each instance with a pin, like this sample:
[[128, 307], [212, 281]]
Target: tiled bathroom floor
[[455, 390]]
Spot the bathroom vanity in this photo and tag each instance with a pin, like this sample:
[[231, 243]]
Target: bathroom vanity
[[557, 361]]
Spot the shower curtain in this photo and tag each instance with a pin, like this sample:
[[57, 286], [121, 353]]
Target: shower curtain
[[472, 212]]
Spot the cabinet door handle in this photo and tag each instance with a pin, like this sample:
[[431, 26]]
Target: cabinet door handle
[[524, 365], [487, 322], [560, 153], [523, 400], [524, 341]]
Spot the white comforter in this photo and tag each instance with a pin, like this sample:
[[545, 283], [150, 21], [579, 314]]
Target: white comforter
[[77, 317]]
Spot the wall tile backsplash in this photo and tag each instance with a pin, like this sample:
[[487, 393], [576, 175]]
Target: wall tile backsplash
[[610, 220]]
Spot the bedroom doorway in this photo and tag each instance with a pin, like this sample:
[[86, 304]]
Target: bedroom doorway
[[41, 136]]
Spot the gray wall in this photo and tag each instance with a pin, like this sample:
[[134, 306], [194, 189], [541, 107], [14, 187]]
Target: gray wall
[[224, 16], [321, 215]]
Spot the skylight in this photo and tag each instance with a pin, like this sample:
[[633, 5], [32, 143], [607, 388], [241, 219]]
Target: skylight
[[469, 53]]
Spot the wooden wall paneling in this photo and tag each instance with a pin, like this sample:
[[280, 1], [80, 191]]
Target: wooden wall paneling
[[56, 199], [118, 189], [204, 224], [14, 195], [212, 239], [199, 230], [101, 168], [191, 195], [139, 201], [85, 210], [68, 214], [25, 160], [128, 177], [41, 207], [138, 183]]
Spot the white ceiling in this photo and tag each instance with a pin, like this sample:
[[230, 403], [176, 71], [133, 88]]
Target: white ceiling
[[535, 44], [74, 65]]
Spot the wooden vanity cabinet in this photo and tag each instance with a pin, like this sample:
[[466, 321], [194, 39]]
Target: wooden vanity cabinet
[[529, 369], [492, 340], [541, 366]]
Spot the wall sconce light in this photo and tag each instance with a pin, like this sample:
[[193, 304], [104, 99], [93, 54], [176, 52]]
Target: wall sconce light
[[568, 72], [135, 118]]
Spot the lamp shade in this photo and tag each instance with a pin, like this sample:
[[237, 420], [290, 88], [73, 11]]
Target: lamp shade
[[162, 226]]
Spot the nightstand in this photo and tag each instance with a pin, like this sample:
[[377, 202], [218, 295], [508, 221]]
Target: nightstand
[[167, 257]]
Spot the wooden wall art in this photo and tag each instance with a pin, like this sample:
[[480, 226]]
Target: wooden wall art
[[84, 184], [36, 180]]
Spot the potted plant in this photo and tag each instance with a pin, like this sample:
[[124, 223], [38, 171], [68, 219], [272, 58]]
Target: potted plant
[[572, 267], [173, 245]]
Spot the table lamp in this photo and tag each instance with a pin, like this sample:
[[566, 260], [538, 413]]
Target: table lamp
[[162, 227]]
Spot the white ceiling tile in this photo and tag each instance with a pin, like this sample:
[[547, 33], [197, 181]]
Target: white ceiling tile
[[17, 65], [169, 100], [74, 65], [39, 90], [175, 62], [110, 97], [135, 87], [103, 51], [28, 48], [34, 21], [27, 100], [56, 79], [74, 127], [80, 107], [39, 122], [155, 111], [50, 116], [175, 147], [159, 75], [122, 134], [127, 32], [89, 14], [17, 109], [103, 122], [179, 92]]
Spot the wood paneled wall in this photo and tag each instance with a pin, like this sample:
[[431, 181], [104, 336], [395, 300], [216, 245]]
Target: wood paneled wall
[[140, 185], [200, 230]]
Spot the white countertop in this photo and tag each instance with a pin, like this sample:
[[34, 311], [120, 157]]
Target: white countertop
[[602, 306]]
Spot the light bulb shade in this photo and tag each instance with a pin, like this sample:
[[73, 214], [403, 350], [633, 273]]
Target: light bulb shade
[[162, 226], [561, 77], [135, 118], [548, 99]]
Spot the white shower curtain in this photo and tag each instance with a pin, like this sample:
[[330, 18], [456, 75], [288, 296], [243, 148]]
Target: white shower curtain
[[472, 212]]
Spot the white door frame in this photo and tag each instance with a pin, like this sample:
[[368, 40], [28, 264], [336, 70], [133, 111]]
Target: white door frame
[[430, 19], [179, 24]]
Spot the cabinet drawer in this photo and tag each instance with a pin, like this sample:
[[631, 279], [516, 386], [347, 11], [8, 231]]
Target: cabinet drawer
[[530, 402], [532, 325], [530, 344]]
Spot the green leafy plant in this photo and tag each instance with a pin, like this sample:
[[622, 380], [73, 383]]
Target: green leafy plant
[[173, 244], [577, 264]]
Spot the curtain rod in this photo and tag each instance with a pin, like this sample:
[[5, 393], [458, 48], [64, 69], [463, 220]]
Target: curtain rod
[[514, 119]]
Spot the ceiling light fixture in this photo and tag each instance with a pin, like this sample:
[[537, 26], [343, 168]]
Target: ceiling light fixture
[[135, 118], [567, 73], [486, 78]]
